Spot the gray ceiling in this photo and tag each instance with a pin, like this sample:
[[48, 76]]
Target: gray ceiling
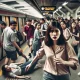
[[72, 4]]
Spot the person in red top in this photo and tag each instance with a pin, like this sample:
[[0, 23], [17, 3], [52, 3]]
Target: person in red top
[[29, 33]]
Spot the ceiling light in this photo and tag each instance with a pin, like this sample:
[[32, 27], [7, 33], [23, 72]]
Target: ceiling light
[[65, 3], [60, 7]]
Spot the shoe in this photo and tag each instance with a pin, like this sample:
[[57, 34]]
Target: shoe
[[79, 74], [27, 59], [29, 55]]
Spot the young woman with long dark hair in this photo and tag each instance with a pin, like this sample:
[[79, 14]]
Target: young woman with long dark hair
[[59, 55]]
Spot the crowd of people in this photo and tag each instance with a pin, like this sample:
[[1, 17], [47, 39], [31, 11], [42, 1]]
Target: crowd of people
[[57, 39]]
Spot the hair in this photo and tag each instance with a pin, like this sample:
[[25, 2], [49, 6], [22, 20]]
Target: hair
[[43, 19], [2, 23], [13, 22], [29, 20], [64, 22], [48, 41], [71, 29], [4, 71]]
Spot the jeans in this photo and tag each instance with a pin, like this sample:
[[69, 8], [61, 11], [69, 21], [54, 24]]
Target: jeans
[[49, 76], [23, 66]]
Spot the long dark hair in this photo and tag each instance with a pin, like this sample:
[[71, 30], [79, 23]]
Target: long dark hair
[[48, 41], [71, 29], [4, 71]]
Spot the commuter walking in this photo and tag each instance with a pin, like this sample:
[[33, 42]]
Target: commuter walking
[[37, 39], [29, 33]]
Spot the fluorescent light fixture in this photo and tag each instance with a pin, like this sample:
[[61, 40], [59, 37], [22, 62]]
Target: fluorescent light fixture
[[65, 3], [60, 7]]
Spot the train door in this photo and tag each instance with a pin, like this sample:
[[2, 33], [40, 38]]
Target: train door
[[7, 20], [0, 40], [16, 19]]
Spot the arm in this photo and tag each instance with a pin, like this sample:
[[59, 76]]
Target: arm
[[16, 76], [15, 44], [18, 63], [23, 77], [36, 58], [76, 35], [71, 63], [13, 40], [71, 60], [24, 34], [40, 53]]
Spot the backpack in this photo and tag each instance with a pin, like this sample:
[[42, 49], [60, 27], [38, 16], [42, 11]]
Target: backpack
[[19, 36]]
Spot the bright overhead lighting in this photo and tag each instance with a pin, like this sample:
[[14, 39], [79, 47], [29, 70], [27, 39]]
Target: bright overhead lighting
[[65, 3], [60, 7]]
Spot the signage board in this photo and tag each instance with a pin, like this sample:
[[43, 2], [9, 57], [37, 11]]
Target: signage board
[[48, 8]]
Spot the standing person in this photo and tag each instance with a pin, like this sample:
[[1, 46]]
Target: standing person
[[37, 39], [66, 31], [74, 31], [18, 43], [59, 55], [44, 26], [29, 33], [2, 26], [9, 42]]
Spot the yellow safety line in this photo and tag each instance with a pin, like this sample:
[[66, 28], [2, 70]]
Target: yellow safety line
[[0, 72], [21, 59]]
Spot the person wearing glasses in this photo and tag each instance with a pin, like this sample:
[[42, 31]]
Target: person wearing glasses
[[9, 42]]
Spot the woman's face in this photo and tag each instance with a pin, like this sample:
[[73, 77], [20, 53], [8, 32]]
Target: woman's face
[[73, 25], [79, 23], [55, 34], [63, 25], [7, 68], [38, 26]]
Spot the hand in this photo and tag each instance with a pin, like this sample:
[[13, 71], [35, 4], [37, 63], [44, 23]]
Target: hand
[[28, 67], [20, 50], [59, 61], [27, 77]]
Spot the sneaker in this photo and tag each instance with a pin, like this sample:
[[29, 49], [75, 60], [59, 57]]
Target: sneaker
[[29, 55], [78, 73]]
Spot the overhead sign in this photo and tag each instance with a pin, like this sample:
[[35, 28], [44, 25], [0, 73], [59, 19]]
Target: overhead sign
[[48, 8]]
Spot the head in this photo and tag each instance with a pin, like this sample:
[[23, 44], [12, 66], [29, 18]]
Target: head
[[13, 24], [63, 24], [38, 26], [42, 20], [2, 24], [73, 25], [54, 33], [5, 69], [28, 22]]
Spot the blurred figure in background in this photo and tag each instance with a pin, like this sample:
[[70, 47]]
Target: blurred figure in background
[[29, 33]]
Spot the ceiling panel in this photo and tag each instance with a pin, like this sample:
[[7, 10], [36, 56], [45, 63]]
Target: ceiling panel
[[10, 3], [73, 5]]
